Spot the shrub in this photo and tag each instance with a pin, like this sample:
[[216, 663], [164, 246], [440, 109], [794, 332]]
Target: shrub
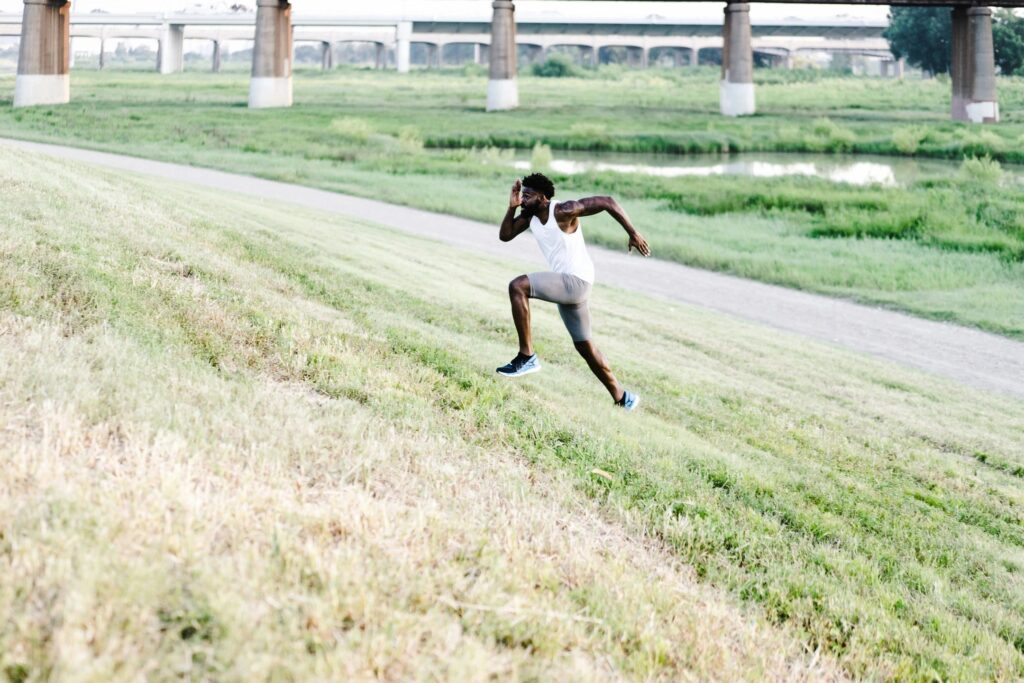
[[556, 66], [473, 70], [409, 139], [589, 132], [907, 140], [984, 170], [353, 130], [541, 158]]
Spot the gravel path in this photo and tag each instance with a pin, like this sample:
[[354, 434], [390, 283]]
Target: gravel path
[[976, 358]]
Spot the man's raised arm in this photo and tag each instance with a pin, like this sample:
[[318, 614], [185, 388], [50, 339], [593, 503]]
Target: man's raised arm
[[588, 206], [511, 225]]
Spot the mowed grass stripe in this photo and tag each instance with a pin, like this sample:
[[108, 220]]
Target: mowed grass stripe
[[838, 494]]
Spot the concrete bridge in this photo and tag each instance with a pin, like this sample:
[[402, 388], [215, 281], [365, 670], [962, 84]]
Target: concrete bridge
[[47, 25]]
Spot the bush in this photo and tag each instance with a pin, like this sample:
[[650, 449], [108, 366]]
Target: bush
[[556, 66], [352, 130], [907, 140], [409, 139], [984, 170], [473, 70], [541, 157]]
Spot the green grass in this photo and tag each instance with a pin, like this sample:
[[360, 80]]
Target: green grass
[[945, 249], [243, 436]]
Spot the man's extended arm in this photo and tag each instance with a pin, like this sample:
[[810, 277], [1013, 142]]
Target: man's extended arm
[[588, 206], [512, 225]]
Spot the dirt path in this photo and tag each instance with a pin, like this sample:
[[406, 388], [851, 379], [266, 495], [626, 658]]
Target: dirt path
[[970, 356]]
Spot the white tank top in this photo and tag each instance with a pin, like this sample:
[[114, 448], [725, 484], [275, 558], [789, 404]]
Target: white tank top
[[565, 252]]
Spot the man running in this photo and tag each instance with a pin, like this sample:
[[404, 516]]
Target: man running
[[557, 230]]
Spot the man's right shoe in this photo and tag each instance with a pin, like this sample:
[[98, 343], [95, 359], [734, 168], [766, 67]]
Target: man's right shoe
[[520, 365], [629, 400]]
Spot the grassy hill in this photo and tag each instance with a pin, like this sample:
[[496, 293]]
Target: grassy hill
[[245, 440]]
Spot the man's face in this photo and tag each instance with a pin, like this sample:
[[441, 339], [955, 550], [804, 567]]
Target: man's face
[[531, 199]]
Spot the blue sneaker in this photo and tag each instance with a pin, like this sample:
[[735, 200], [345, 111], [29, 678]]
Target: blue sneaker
[[520, 365], [629, 400]]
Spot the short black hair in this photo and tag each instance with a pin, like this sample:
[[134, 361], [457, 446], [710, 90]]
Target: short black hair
[[541, 183]]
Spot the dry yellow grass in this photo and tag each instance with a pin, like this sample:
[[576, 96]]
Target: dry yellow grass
[[177, 502]]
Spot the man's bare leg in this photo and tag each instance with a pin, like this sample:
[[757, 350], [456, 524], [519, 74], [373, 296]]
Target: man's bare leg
[[519, 294], [599, 366]]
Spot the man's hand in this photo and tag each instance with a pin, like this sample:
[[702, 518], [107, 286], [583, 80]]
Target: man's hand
[[637, 241], [514, 199]]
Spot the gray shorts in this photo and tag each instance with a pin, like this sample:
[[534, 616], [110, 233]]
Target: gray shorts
[[571, 294]]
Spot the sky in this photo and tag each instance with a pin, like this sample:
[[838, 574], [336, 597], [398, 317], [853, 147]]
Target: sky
[[763, 11]]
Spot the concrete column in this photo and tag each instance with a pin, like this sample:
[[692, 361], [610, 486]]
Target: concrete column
[[216, 57], [379, 62], [958, 63], [973, 67], [788, 61], [736, 90], [271, 83], [982, 105], [403, 46], [326, 56], [172, 48], [595, 60], [103, 52], [44, 55], [901, 65], [477, 54], [645, 58], [695, 57], [502, 88]]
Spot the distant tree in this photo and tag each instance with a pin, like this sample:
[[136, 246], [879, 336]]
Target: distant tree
[[922, 35], [557, 66], [308, 54], [1008, 40]]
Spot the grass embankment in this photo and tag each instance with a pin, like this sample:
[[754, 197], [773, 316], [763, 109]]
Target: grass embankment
[[951, 250], [244, 440]]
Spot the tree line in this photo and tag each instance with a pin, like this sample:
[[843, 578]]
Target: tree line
[[922, 35]]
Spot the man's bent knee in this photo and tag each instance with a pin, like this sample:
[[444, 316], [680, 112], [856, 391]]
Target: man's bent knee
[[520, 286]]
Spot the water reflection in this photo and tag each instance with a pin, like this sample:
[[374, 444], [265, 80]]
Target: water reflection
[[855, 170]]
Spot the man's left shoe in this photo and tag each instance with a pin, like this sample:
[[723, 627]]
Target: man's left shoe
[[629, 400], [520, 365]]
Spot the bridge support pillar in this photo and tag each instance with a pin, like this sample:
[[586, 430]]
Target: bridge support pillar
[[271, 82], [403, 47], [44, 55], [736, 90], [973, 66], [502, 88], [901, 64], [103, 53], [215, 68], [326, 56], [380, 58], [172, 49], [477, 54]]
